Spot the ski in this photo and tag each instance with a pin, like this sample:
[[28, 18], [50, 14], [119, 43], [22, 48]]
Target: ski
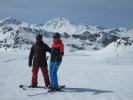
[[49, 91], [57, 90], [25, 87], [46, 92]]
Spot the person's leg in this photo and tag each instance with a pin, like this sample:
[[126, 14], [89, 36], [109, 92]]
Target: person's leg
[[35, 70], [55, 79], [51, 72], [45, 75]]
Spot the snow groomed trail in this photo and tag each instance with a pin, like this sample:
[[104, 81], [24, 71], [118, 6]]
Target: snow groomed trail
[[84, 77]]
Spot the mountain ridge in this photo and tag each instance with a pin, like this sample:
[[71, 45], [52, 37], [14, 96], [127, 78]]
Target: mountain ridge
[[16, 34]]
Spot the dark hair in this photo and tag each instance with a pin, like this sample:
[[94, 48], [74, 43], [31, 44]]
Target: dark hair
[[56, 35], [39, 36]]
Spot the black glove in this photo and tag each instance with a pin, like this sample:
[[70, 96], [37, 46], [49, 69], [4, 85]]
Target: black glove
[[62, 53], [30, 64]]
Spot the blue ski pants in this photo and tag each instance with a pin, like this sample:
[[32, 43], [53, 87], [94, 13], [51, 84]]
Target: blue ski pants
[[53, 68]]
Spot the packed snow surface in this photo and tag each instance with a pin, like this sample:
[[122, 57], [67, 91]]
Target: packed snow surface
[[88, 75]]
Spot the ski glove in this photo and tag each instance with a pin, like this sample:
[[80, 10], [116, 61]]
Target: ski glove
[[30, 64]]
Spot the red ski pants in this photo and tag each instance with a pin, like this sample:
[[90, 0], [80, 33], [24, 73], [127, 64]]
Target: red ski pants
[[44, 70]]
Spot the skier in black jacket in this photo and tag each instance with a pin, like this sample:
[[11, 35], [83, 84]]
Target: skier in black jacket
[[38, 55]]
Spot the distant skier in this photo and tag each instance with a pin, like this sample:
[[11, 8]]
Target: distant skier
[[55, 61], [38, 55]]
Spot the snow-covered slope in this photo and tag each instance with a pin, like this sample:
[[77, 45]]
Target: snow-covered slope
[[113, 54], [85, 77]]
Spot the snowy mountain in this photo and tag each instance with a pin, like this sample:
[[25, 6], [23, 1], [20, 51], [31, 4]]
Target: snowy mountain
[[64, 26], [17, 34], [10, 20]]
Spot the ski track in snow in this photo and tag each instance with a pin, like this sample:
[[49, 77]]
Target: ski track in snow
[[85, 79]]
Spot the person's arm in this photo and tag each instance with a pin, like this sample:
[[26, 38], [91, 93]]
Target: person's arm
[[62, 50], [31, 56], [48, 49]]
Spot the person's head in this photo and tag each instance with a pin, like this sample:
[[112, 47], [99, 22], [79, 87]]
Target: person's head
[[39, 38], [56, 36]]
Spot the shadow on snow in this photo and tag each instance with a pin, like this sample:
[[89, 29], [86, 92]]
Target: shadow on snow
[[79, 90], [76, 90]]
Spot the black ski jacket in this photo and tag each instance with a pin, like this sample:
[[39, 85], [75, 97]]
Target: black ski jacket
[[38, 54]]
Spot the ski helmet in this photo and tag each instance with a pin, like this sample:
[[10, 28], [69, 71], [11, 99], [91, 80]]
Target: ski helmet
[[56, 35]]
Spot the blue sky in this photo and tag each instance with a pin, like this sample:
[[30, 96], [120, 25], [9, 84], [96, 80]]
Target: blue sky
[[104, 13]]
